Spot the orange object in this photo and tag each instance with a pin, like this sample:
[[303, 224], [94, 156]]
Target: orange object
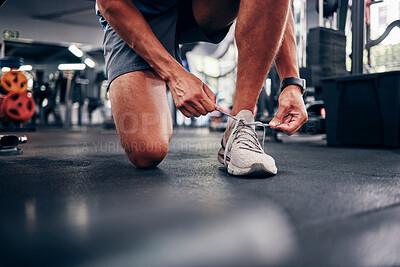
[[323, 112], [14, 81], [17, 106]]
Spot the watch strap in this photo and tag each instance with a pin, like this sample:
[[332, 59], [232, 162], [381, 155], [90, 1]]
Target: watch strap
[[294, 81]]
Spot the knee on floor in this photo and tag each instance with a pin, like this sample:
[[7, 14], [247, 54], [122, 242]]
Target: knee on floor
[[146, 154]]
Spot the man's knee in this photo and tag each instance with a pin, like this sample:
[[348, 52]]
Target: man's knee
[[146, 153]]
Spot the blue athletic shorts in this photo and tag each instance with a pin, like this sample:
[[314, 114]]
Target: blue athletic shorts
[[175, 26]]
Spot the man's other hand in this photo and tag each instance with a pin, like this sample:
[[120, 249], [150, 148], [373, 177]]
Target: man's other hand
[[291, 114]]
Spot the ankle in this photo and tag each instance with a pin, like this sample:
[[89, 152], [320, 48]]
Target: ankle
[[235, 110]]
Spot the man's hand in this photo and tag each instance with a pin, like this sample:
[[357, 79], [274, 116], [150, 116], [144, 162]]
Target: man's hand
[[191, 96], [291, 113]]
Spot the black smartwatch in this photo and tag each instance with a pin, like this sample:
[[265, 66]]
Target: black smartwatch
[[294, 81]]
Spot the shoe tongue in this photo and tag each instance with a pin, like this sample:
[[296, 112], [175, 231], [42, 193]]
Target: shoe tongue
[[245, 115]]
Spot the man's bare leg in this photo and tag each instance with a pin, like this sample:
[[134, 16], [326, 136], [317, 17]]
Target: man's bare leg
[[142, 117], [259, 31], [264, 31], [261, 27]]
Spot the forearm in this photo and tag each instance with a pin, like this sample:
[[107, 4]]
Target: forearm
[[131, 26], [290, 100], [286, 60]]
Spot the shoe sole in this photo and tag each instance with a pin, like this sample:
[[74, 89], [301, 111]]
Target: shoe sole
[[257, 169]]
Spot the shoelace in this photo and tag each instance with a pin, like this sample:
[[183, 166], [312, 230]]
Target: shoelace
[[234, 131]]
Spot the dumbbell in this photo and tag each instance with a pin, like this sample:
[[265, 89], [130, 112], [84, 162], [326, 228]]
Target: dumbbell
[[11, 141], [9, 144]]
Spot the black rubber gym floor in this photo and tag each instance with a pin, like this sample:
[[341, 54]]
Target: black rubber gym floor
[[73, 198]]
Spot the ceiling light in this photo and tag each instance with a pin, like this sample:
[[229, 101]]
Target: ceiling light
[[25, 68], [75, 50], [77, 66], [90, 62], [5, 69]]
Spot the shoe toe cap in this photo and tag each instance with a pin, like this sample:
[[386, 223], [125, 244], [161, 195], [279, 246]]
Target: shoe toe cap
[[243, 159]]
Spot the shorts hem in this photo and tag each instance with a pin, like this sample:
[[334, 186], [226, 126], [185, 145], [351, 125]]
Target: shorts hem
[[127, 69]]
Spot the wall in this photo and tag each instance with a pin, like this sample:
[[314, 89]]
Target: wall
[[18, 15]]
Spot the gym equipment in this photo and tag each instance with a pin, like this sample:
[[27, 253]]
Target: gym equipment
[[11, 62], [363, 110], [44, 95], [11, 141], [14, 81], [9, 144], [326, 50], [329, 7], [17, 106], [357, 38], [316, 118], [76, 86]]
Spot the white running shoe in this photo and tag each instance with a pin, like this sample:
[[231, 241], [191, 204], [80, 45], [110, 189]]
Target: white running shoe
[[241, 152]]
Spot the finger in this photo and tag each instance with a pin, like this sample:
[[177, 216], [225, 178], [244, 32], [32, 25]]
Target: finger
[[210, 94], [288, 118], [185, 112], [291, 127], [192, 110], [207, 105], [280, 115], [198, 107], [287, 129]]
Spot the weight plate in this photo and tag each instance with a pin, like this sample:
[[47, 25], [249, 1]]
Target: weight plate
[[1, 109], [18, 106], [14, 81]]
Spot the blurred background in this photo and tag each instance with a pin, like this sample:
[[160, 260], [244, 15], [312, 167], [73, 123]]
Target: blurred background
[[57, 47], [72, 197]]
